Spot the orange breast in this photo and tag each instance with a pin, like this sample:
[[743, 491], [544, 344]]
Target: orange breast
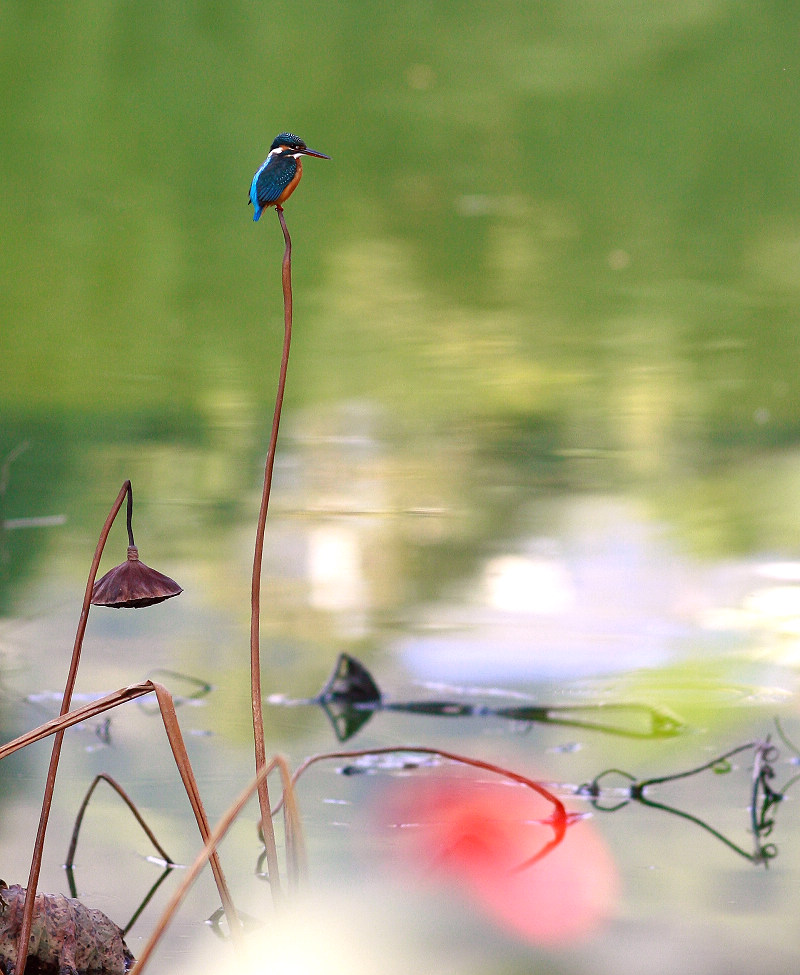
[[290, 187]]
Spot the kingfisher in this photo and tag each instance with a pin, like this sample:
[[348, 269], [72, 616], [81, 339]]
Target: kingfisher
[[278, 176]]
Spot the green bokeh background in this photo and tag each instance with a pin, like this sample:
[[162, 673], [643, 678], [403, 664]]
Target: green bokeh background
[[561, 193], [556, 254]]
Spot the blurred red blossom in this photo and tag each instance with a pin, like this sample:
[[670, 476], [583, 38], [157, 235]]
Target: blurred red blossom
[[506, 849]]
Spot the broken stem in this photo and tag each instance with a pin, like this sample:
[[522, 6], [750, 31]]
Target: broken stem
[[173, 730]]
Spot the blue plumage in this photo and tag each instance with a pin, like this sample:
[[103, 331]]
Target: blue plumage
[[272, 178], [279, 174]]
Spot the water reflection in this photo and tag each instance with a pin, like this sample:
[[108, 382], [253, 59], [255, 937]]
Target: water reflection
[[764, 798], [543, 416], [351, 696]]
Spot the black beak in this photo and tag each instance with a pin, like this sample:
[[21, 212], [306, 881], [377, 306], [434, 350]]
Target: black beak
[[311, 152]]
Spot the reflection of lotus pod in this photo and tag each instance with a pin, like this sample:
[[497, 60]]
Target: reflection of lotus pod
[[133, 584]]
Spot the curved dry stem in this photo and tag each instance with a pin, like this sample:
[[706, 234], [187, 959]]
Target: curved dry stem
[[47, 801], [102, 777], [560, 818], [258, 555]]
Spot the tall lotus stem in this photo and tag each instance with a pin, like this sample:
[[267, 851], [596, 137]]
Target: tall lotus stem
[[267, 830]]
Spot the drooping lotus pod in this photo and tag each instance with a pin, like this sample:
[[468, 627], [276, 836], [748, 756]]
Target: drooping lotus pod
[[133, 584]]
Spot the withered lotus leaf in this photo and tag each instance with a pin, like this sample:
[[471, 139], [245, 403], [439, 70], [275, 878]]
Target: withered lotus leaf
[[67, 938], [133, 584]]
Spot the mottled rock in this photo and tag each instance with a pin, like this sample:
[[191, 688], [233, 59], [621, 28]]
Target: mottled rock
[[67, 938]]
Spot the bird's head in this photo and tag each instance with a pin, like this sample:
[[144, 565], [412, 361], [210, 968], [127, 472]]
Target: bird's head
[[291, 145]]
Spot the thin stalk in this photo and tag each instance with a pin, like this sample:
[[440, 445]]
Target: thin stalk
[[38, 848], [560, 816], [638, 790], [129, 516], [559, 820], [209, 850], [268, 833], [76, 829]]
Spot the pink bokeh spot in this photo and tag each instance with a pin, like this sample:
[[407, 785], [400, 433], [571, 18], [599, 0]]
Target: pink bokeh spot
[[500, 846]]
